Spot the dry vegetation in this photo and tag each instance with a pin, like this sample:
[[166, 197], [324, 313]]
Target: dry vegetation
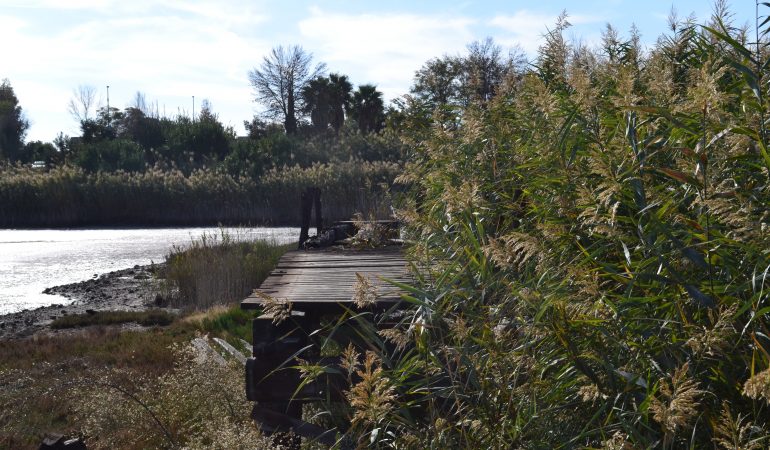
[[143, 389], [217, 269], [69, 196], [599, 237]]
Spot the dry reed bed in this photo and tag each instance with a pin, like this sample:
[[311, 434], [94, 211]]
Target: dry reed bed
[[599, 237], [67, 196]]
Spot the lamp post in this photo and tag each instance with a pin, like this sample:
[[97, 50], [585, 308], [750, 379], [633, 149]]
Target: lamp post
[[193, 110], [108, 106]]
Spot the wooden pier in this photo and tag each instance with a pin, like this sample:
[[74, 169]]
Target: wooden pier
[[318, 284]]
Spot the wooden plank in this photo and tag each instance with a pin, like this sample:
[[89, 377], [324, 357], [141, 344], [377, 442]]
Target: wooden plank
[[329, 276]]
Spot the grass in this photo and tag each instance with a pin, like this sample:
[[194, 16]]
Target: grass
[[218, 269], [596, 243], [145, 318], [142, 389], [65, 383], [229, 321], [65, 196]]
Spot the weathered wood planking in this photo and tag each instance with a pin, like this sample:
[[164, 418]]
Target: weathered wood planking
[[329, 276]]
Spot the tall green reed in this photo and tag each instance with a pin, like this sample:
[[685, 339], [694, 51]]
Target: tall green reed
[[597, 245]]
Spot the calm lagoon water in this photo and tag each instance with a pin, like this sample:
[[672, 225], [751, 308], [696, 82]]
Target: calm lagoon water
[[32, 260]]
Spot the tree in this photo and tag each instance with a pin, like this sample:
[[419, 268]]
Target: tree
[[316, 96], [474, 78], [101, 127], [41, 151], [436, 82], [13, 124], [141, 128], [483, 70], [340, 99], [279, 81], [326, 100], [368, 108], [258, 128], [83, 101]]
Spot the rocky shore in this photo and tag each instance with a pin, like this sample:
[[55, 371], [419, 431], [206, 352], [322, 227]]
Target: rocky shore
[[133, 289]]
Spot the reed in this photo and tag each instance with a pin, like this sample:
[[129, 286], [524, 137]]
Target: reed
[[67, 196], [218, 269], [597, 237]]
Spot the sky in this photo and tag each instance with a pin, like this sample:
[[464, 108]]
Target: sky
[[174, 50]]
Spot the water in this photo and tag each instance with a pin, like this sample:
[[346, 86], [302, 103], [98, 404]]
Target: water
[[32, 260]]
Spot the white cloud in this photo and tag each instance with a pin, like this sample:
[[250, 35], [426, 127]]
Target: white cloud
[[527, 28], [198, 48], [385, 49]]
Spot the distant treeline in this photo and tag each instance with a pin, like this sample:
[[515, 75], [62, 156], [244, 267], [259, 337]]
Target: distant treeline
[[70, 197]]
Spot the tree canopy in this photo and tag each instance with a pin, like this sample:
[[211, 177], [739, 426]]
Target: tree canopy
[[368, 108], [326, 101], [279, 81], [13, 124]]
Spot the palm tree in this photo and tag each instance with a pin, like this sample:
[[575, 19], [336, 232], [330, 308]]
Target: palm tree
[[368, 108], [316, 98], [340, 89], [327, 100]]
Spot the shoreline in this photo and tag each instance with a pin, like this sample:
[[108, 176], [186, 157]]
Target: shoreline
[[133, 289]]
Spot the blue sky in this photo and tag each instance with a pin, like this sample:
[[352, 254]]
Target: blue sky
[[172, 50]]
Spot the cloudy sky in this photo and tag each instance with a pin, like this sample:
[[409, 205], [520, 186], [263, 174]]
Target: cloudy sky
[[172, 50]]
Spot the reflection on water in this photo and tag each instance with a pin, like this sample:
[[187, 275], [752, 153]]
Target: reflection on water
[[32, 260]]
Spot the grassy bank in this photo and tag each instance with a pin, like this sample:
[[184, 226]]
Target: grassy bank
[[67, 196], [144, 389], [129, 390]]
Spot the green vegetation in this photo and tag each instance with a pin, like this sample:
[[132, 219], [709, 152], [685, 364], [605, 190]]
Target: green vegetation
[[592, 235], [230, 322], [13, 125], [597, 238], [134, 167], [145, 318], [144, 389]]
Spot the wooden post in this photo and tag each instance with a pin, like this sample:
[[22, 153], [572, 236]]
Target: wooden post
[[311, 198], [306, 205]]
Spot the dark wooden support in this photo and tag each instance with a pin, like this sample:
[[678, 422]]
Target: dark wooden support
[[280, 422], [317, 205], [306, 205], [310, 198], [320, 285]]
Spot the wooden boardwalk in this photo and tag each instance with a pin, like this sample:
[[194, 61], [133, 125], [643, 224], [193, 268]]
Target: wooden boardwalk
[[318, 283], [313, 277]]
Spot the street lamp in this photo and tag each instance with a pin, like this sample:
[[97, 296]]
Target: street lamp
[[108, 105]]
